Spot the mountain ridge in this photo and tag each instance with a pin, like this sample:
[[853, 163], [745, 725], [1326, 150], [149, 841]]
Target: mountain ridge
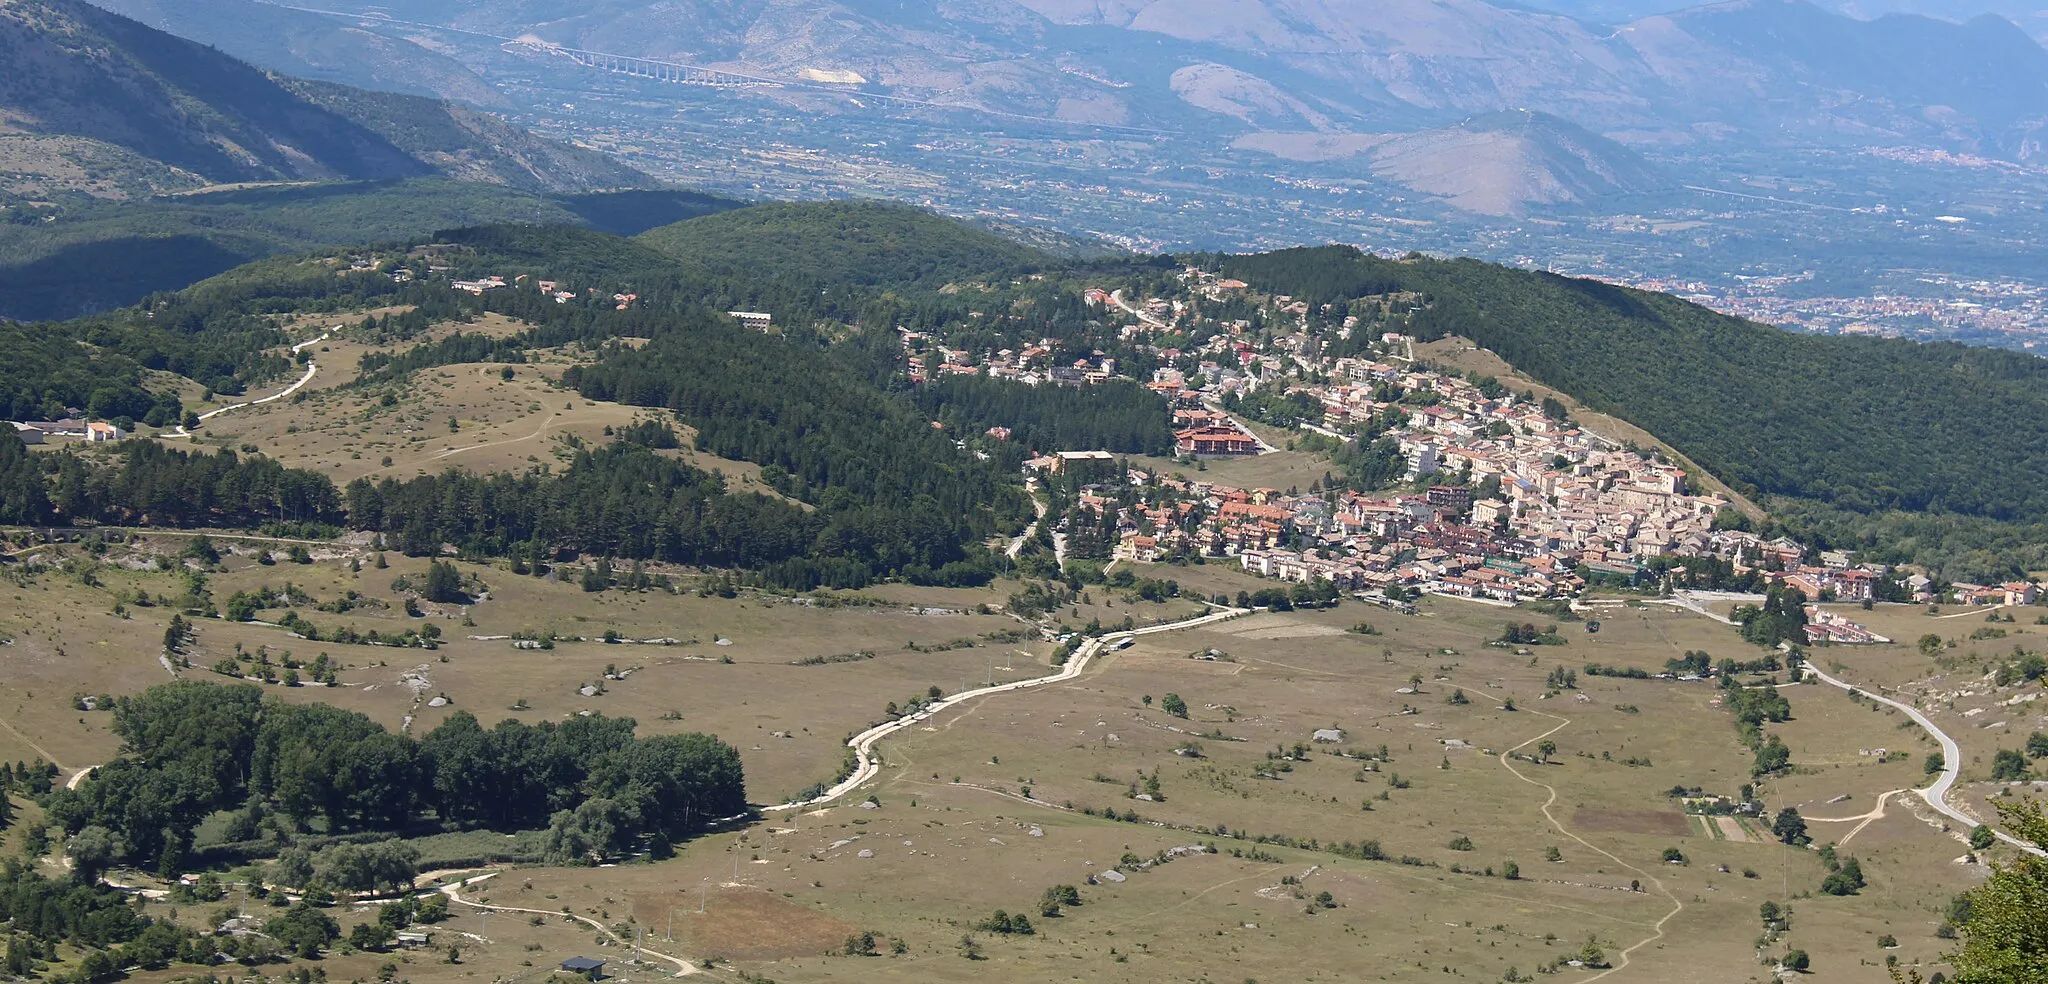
[[92, 94], [1494, 164]]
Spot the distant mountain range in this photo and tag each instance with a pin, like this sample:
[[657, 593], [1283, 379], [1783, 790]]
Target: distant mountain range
[[1496, 164], [2030, 15], [99, 104], [313, 46], [1267, 74]]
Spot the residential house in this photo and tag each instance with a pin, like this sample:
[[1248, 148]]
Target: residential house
[[1213, 441]]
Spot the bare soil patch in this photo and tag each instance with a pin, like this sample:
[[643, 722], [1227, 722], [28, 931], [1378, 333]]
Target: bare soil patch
[[1732, 829]]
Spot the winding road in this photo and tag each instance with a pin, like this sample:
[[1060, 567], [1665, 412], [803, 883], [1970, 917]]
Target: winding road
[[1936, 795], [1116, 297], [454, 895], [312, 370], [1017, 546], [541, 431], [863, 744]]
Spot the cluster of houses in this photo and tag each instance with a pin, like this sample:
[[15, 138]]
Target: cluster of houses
[[1032, 365], [1509, 499], [41, 431], [550, 288], [1355, 542]]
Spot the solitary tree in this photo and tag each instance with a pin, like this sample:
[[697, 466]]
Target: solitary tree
[[1790, 827], [1173, 705], [444, 583], [1545, 749], [92, 850]]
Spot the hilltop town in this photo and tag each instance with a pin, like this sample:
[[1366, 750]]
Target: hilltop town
[[1484, 492]]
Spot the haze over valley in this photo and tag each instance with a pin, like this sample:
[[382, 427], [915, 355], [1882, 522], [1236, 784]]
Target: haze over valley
[[1008, 490]]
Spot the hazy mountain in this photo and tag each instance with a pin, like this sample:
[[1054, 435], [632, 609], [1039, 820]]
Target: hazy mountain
[[312, 46], [98, 103], [1982, 85], [470, 145], [2030, 15], [1758, 71], [1498, 164]]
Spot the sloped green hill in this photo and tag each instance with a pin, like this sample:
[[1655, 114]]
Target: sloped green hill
[[91, 257], [859, 243]]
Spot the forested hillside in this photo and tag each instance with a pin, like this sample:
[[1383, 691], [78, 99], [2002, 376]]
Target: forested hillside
[[77, 258], [1118, 415], [1928, 452], [887, 495], [1864, 425], [859, 243]]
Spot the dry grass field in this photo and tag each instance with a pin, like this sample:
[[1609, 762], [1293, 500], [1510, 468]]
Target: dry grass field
[[1227, 845], [468, 415], [980, 808], [1274, 470]]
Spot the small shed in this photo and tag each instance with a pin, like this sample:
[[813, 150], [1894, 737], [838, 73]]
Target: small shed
[[587, 966], [408, 937]]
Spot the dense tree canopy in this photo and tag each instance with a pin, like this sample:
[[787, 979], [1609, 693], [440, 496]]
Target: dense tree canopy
[[1118, 415], [193, 749]]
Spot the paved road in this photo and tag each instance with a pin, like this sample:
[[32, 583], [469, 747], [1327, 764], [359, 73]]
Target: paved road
[[863, 744], [1117, 298], [1017, 545], [1936, 795]]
